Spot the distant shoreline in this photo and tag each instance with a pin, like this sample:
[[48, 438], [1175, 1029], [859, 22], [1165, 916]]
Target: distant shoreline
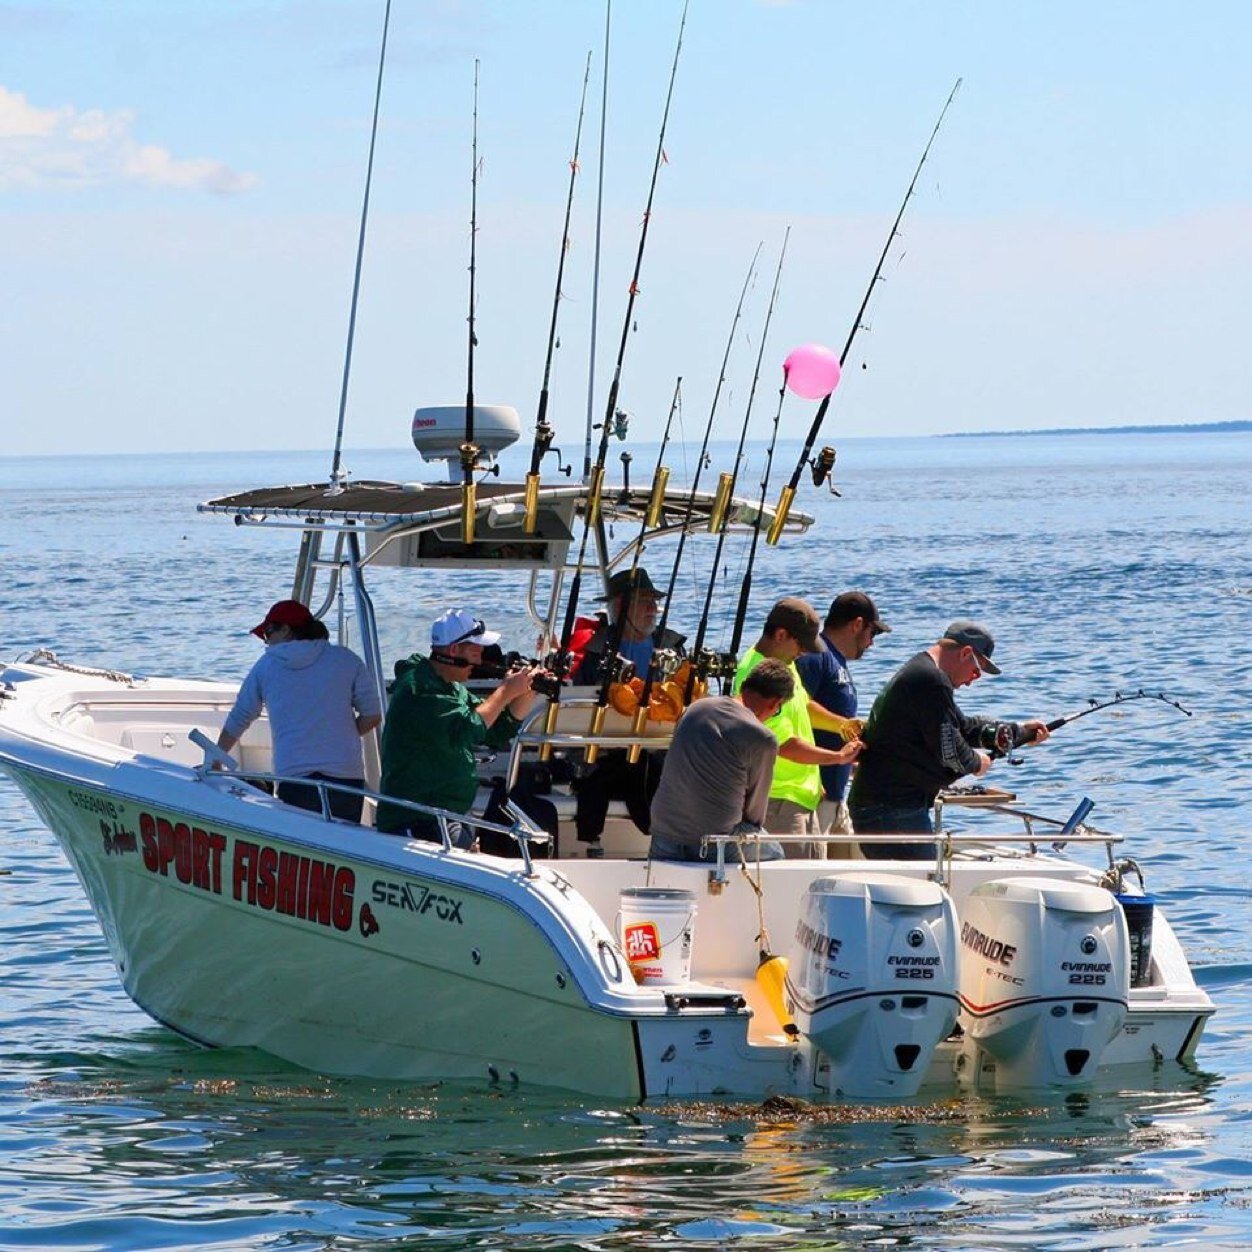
[[1180, 428]]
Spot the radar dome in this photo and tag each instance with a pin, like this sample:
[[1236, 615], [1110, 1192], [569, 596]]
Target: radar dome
[[439, 431]]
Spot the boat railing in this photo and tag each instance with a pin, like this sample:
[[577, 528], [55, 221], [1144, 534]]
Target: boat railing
[[220, 764], [946, 843]]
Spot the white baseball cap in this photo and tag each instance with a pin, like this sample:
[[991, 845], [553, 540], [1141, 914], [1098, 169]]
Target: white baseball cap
[[461, 626]]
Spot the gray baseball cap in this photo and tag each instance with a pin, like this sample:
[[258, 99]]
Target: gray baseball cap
[[976, 636]]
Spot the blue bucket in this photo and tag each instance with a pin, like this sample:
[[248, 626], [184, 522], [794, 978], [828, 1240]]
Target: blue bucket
[[1138, 911]]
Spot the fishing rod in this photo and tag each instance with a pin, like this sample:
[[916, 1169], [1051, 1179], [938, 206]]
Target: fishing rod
[[595, 267], [663, 660], [745, 587], [543, 431], [596, 482], [706, 665], [1001, 739], [613, 670], [595, 477], [360, 254], [822, 467], [469, 449], [1094, 706]]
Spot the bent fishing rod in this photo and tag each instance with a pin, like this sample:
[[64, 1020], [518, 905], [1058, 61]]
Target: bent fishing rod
[[706, 665], [789, 491], [543, 431], [661, 660], [591, 515], [1001, 740], [469, 449], [360, 254]]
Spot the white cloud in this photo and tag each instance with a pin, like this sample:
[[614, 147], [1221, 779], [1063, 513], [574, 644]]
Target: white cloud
[[67, 147]]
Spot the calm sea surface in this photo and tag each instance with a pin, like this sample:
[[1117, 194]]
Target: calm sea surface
[[1103, 563]]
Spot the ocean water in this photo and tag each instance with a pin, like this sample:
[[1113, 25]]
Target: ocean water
[[1103, 563]]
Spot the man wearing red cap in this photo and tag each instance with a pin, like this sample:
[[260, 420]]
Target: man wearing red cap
[[320, 700]]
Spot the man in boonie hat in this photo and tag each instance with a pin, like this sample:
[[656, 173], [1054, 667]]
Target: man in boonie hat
[[917, 741], [613, 776], [434, 724]]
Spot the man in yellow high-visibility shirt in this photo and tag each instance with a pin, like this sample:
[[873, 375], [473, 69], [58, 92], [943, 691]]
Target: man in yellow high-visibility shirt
[[791, 628]]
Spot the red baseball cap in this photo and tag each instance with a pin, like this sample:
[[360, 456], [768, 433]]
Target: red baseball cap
[[285, 613]]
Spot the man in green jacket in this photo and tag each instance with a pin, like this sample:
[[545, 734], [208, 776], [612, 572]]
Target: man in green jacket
[[434, 724]]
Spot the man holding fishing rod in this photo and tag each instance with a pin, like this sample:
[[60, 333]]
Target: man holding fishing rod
[[791, 629], [917, 741]]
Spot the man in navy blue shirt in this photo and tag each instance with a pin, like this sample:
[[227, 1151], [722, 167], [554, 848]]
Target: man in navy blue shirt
[[849, 632]]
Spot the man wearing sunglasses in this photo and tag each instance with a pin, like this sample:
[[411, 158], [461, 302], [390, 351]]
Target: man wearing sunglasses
[[917, 741], [851, 626], [434, 724]]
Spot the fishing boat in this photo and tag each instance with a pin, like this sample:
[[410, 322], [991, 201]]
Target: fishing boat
[[1009, 962], [1006, 964]]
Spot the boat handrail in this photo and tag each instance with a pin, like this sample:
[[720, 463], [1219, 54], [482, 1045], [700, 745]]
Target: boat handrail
[[220, 765], [945, 842]]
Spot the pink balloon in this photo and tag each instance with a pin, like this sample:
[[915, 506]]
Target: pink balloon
[[811, 371]]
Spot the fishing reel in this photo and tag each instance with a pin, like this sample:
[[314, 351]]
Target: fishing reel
[[822, 467], [544, 434], [712, 664], [1000, 738], [665, 663], [618, 424]]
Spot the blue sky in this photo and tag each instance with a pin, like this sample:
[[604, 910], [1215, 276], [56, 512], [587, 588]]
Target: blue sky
[[181, 185]]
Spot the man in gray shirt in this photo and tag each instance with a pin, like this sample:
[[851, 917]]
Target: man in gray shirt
[[719, 770]]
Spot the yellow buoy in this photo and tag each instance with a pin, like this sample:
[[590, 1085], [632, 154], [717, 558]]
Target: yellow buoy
[[771, 976]]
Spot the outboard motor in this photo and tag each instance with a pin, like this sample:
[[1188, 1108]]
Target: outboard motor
[[1044, 980], [872, 979]]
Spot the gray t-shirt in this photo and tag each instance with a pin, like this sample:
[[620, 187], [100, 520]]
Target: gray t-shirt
[[717, 772]]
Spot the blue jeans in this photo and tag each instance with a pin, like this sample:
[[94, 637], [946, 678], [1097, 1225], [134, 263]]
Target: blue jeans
[[427, 829], [888, 819], [671, 850]]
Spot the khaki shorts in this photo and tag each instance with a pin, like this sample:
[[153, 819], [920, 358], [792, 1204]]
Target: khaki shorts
[[785, 817], [833, 818]]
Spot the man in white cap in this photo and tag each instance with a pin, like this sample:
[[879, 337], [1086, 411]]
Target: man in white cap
[[434, 724], [917, 741]]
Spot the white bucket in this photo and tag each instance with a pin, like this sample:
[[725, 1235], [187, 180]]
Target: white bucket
[[656, 925]]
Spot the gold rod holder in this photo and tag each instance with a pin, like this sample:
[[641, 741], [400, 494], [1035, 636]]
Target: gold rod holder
[[717, 515], [592, 750], [637, 727], [660, 480], [469, 507], [549, 728], [531, 522], [780, 516], [594, 487]]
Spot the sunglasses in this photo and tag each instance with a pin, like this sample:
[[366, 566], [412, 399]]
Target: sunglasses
[[272, 629], [479, 628]]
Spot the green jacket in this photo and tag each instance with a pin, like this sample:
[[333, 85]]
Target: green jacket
[[429, 737]]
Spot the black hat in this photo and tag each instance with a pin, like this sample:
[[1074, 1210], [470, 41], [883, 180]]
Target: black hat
[[971, 635], [851, 605], [619, 584], [799, 619]]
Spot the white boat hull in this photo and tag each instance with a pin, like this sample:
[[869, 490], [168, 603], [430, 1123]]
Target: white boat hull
[[238, 921]]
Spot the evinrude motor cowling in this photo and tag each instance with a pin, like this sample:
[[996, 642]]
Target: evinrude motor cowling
[[872, 979], [1044, 981]]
